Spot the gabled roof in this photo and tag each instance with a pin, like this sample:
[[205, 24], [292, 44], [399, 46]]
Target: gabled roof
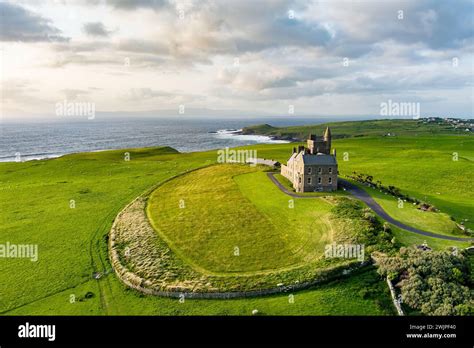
[[319, 159]]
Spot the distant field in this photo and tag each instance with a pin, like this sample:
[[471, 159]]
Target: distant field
[[358, 129]]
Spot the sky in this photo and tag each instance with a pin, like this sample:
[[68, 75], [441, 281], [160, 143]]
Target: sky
[[279, 57]]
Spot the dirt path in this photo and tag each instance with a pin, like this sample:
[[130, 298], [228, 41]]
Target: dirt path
[[360, 194]]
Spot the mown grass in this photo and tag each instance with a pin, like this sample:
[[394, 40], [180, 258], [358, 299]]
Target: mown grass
[[233, 219], [409, 214]]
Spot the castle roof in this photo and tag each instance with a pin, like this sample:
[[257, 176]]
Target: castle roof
[[319, 159]]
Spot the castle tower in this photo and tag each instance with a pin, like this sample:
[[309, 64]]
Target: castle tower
[[327, 139]]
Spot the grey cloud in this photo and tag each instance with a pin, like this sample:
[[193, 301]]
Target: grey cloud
[[73, 94], [96, 29], [82, 59], [435, 24], [136, 4], [146, 93], [20, 24]]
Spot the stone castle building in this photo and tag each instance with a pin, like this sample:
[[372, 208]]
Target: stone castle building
[[313, 168]]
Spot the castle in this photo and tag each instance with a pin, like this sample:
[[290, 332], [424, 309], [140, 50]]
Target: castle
[[313, 168]]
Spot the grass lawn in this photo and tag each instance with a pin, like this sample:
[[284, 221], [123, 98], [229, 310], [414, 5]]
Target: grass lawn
[[407, 213], [36, 209], [364, 293], [233, 219], [410, 239]]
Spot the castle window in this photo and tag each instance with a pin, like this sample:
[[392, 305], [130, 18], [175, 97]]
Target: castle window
[[330, 180], [319, 180], [309, 170], [330, 170], [309, 180], [320, 170], [299, 179]]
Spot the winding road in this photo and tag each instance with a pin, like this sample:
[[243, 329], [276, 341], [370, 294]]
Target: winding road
[[360, 194]]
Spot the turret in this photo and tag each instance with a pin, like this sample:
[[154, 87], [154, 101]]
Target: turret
[[327, 138]]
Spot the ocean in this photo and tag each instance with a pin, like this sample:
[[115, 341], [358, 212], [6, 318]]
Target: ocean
[[39, 140]]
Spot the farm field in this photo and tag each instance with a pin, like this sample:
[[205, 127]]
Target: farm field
[[67, 205], [366, 128]]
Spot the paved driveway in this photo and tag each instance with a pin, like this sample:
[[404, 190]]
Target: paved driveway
[[359, 193]]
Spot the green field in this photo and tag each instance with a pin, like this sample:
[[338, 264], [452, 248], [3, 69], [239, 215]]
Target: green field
[[36, 209], [422, 167], [361, 294], [234, 206], [407, 213], [368, 128]]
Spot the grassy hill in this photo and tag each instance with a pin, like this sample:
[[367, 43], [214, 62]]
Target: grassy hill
[[217, 201], [357, 129]]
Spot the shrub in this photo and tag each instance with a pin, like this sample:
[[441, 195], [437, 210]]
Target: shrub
[[430, 281]]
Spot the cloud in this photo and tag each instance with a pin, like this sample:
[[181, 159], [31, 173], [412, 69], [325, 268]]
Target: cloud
[[73, 94], [20, 24], [96, 29], [137, 4], [288, 49], [138, 94]]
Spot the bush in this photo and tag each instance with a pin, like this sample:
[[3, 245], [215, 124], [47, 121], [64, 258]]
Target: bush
[[430, 281]]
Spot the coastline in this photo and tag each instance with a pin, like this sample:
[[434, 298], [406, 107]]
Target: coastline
[[233, 135]]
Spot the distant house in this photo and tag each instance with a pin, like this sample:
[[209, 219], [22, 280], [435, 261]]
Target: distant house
[[313, 168]]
